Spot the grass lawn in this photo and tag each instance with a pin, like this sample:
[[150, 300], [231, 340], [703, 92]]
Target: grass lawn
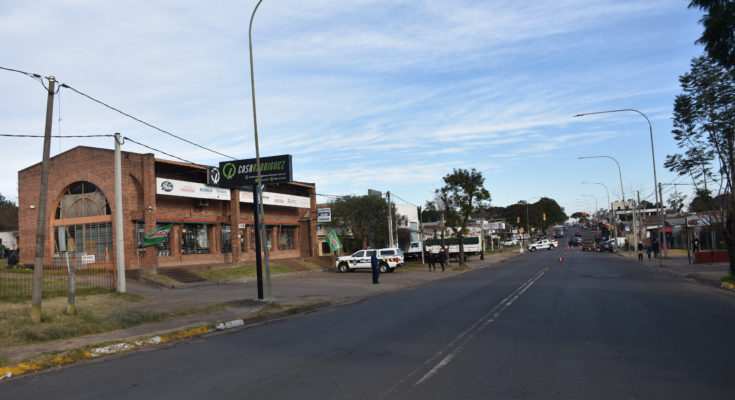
[[95, 313], [728, 279], [243, 271]]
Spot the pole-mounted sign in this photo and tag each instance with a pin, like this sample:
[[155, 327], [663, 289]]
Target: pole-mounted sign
[[238, 173]]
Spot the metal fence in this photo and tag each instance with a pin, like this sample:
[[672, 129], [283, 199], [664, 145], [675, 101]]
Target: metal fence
[[16, 284]]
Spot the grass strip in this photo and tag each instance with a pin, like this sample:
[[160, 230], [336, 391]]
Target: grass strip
[[243, 271]]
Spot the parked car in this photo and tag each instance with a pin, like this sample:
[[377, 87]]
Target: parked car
[[542, 244], [606, 245], [389, 259], [589, 245]]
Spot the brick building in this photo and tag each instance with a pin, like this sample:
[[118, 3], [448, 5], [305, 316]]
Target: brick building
[[210, 225]]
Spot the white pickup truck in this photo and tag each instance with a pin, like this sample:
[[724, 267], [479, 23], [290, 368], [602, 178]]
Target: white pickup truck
[[388, 260], [547, 244]]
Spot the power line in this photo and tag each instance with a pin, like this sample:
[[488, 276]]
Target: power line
[[55, 136], [64, 85], [403, 200], [162, 152], [35, 77]]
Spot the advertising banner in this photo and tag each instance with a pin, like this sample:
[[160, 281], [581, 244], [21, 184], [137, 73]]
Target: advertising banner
[[238, 173], [333, 241]]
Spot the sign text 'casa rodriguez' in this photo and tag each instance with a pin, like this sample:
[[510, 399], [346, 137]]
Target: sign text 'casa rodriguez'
[[275, 169]]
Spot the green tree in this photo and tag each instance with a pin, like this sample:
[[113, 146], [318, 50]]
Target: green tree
[[718, 36], [701, 202], [8, 215], [676, 202], [704, 120], [462, 195], [365, 216]]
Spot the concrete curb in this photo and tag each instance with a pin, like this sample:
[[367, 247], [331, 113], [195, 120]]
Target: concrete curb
[[71, 356]]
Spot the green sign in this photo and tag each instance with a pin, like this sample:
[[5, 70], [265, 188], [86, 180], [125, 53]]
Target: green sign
[[238, 173], [333, 241], [157, 236]]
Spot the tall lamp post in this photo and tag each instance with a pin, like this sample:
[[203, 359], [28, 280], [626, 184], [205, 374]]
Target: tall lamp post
[[653, 158], [622, 191], [528, 221], [608, 202], [257, 193], [596, 208]]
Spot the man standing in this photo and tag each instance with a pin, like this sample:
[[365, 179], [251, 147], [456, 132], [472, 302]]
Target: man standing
[[442, 259], [374, 266]]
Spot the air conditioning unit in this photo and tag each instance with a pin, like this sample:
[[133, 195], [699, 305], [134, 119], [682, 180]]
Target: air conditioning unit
[[202, 203]]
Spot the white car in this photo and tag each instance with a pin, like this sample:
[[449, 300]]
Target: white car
[[388, 260], [547, 244]]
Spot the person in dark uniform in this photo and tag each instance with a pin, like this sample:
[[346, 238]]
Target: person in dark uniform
[[374, 266], [432, 261], [640, 251], [442, 259], [695, 245]]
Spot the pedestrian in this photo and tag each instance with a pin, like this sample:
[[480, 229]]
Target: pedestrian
[[442, 259], [640, 251], [695, 245], [432, 261], [648, 251], [656, 249], [374, 266]]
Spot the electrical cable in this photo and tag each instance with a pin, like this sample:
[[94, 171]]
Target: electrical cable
[[162, 152], [55, 136], [143, 122]]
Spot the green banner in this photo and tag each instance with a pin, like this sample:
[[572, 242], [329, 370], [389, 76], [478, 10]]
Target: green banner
[[157, 236], [333, 241]]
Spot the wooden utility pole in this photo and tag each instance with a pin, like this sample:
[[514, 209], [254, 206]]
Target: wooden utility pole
[[41, 223]]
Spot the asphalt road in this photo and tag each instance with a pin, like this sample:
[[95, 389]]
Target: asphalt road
[[593, 326]]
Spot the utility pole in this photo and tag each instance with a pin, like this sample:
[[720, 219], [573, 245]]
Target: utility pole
[[421, 235], [390, 221], [119, 237], [41, 223], [663, 221]]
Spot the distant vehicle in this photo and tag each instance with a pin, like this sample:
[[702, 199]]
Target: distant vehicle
[[558, 231], [512, 242], [471, 247], [542, 244], [589, 245], [577, 234], [388, 258], [606, 245]]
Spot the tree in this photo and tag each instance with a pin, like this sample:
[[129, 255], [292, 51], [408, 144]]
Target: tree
[[462, 195], [8, 215], [704, 122], [701, 202], [718, 36], [676, 202], [365, 216]]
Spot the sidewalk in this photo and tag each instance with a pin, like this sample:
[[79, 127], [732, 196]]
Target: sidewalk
[[680, 265], [295, 293]]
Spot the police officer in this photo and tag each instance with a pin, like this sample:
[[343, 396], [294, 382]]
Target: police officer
[[374, 266]]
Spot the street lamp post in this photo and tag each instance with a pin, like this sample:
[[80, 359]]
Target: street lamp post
[[596, 208], [653, 158], [622, 192], [608, 202], [257, 192]]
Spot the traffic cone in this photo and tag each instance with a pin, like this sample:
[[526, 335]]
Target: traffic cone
[[561, 259]]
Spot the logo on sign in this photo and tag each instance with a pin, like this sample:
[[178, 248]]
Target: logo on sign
[[214, 175], [167, 186]]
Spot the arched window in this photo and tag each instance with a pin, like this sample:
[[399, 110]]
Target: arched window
[[82, 199], [83, 222]]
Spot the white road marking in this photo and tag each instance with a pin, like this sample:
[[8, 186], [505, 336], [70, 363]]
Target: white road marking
[[474, 329]]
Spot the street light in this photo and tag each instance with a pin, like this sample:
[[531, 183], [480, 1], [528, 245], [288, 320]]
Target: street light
[[622, 191], [257, 194], [653, 158], [608, 200], [596, 208]]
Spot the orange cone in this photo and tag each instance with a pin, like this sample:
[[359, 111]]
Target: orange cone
[[561, 259]]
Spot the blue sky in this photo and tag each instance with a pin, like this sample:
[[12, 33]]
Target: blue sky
[[387, 95]]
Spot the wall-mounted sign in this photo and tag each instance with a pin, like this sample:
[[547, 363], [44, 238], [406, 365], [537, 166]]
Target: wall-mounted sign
[[195, 190], [238, 173], [324, 215]]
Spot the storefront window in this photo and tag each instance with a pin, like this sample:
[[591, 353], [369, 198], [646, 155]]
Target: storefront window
[[164, 248], [226, 239], [84, 239], [287, 239], [194, 239]]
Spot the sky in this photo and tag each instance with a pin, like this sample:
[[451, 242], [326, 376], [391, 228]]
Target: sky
[[364, 94]]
